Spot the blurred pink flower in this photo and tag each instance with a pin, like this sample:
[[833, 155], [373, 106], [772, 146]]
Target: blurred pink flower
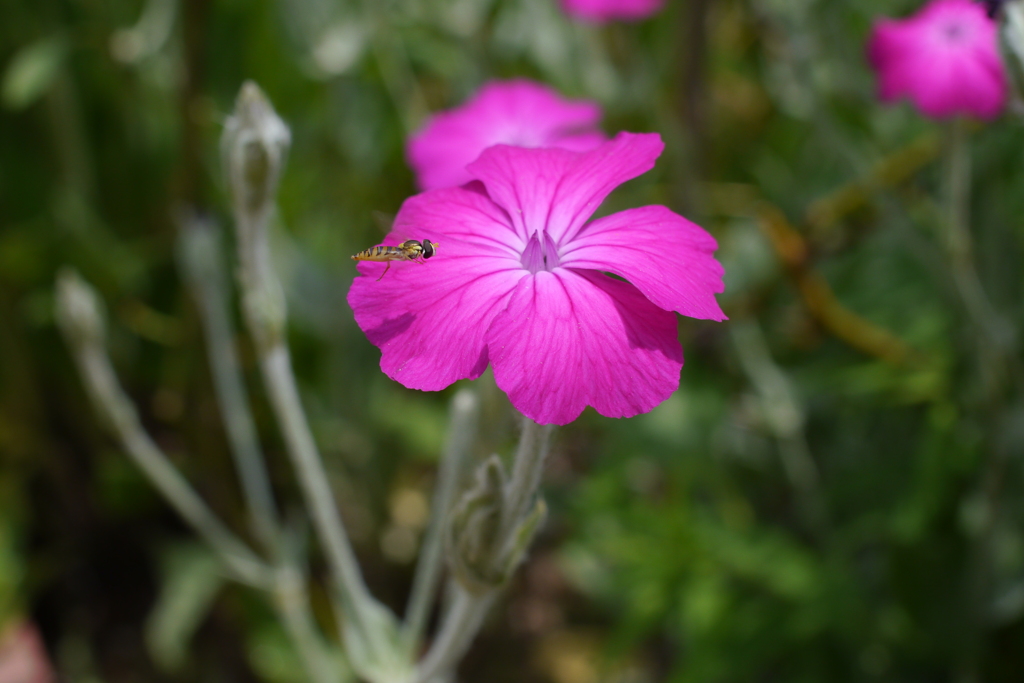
[[23, 657], [520, 281], [518, 112], [945, 59], [608, 10]]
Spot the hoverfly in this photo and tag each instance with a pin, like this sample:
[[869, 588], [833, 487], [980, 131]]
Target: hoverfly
[[409, 250]]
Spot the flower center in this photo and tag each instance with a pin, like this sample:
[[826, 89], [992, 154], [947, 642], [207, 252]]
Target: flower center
[[954, 32], [540, 253]]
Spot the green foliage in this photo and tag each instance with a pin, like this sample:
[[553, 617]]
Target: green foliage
[[873, 532], [32, 71], [273, 658]]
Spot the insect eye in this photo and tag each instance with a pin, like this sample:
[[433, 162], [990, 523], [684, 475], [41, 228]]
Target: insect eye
[[428, 249]]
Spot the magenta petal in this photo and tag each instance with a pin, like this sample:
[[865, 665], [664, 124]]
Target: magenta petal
[[945, 59], [971, 86], [518, 112], [569, 339], [665, 256], [430, 319], [557, 191], [604, 10]]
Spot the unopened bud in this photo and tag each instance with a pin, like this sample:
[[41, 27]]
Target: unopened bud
[[253, 149], [475, 527], [80, 312], [481, 553]]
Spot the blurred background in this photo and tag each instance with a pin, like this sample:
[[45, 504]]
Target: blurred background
[[834, 493]]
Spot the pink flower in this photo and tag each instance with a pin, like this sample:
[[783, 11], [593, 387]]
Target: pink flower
[[23, 656], [519, 112], [607, 10], [521, 281], [945, 59]]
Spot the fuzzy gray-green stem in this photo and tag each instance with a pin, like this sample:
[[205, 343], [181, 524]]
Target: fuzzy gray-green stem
[[784, 417], [520, 514], [284, 397], [527, 470], [254, 146], [202, 260], [463, 620], [994, 334], [465, 408], [291, 601], [81, 320]]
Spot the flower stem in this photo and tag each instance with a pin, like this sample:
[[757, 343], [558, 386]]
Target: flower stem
[[527, 470], [253, 147], [202, 260], [82, 325], [463, 620], [461, 434], [784, 416], [292, 603], [995, 336], [466, 613], [998, 368], [275, 363]]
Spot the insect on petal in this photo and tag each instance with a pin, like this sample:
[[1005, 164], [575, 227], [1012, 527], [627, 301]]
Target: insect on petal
[[429, 320]]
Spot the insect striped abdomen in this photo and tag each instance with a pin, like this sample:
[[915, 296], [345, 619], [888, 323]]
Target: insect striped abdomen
[[380, 253], [409, 250]]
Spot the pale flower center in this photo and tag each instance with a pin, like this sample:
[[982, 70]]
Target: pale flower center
[[954, 32], [540, 253]]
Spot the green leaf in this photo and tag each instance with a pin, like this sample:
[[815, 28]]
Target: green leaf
[[192, 578], [273, 658]]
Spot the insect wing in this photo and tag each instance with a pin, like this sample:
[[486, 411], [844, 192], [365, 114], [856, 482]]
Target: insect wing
[[385, 222]]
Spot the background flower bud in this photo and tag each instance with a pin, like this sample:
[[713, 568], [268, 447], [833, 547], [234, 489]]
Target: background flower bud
[[481, 552], [80, 312], [254, 147]]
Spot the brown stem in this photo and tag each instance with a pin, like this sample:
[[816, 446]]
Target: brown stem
[[693, 96], [189, 182], [694, 86], [894, 169], [821, 301]]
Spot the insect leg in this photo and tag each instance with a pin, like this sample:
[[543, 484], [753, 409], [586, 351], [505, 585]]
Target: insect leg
[[385, 272]]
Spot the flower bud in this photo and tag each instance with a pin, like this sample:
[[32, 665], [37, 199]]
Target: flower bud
[[253, 149], [80, 312], [254, 146], [482, 555]]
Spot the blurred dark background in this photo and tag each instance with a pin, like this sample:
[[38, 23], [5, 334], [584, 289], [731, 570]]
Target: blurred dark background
[[834, 493]]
